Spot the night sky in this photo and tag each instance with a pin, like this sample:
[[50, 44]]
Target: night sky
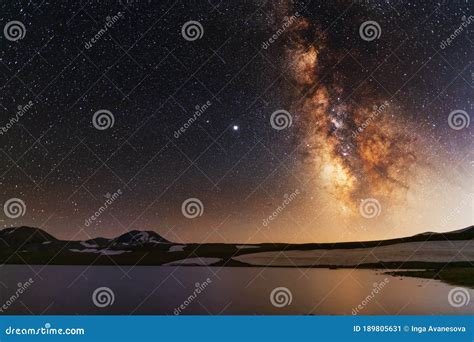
[[201, 119]]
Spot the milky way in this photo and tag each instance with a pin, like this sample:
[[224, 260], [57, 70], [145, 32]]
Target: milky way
[[357, 150]]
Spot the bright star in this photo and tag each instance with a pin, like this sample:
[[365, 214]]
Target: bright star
[[235, 128]]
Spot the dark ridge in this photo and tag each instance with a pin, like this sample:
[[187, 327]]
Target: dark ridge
[[10, 237], [140, 237], [18, 236], [100, 241]]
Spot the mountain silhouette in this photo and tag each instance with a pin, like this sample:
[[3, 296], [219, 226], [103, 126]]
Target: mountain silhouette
[[29, 245]]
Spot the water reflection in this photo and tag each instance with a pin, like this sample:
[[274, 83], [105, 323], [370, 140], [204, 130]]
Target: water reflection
[[230, 291]]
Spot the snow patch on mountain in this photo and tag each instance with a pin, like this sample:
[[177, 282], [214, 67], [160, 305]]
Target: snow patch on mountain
[[428, 251], [194, 262], [99, 251], [246, 246], [177, 248], [88, 245]]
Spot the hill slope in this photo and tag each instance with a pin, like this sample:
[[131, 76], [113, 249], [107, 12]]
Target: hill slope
[[26, 245]]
